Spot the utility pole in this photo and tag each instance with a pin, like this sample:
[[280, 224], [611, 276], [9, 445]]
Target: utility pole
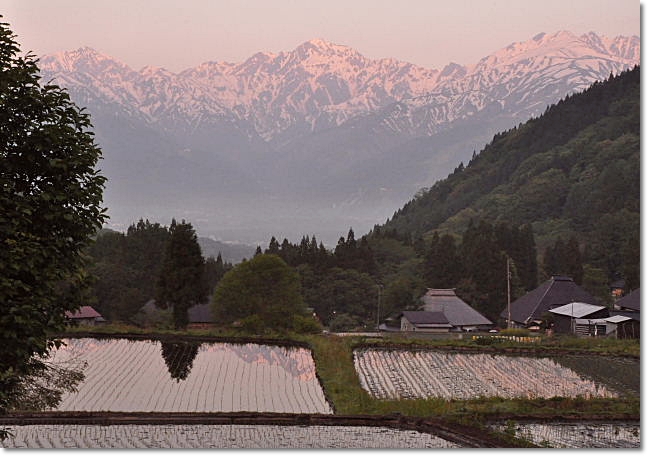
[[508, 290], [378, 309]]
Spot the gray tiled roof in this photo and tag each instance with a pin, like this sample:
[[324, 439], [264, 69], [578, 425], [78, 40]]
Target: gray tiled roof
[[456, 311], [425, 318], [83, 312], [200, 313], [627, 313], [631, 300], [555, 292]]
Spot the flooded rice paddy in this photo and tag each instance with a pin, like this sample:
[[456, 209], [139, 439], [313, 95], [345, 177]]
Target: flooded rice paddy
[[218, 436], [401, 374], [152, 376], [577, 435]]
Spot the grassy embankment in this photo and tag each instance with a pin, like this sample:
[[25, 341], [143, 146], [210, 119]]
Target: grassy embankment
[[334, 360]]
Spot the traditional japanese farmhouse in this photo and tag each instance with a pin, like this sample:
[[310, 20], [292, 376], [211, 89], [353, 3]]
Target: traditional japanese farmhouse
[[200, 317], [422, 321], [459, 314], [630, 302], [530, 309], [86, 315]]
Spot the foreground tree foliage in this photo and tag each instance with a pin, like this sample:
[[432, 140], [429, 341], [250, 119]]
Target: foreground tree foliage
[[263, 292], [50, 197], [181, 283]]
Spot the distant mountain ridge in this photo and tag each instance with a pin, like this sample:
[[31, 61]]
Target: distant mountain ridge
[[346, 138], [323, 84]]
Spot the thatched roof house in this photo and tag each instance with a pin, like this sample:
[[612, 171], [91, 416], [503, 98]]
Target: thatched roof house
[[459, 314]]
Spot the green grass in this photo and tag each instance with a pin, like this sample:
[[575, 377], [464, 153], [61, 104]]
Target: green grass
[[334, 359], [563, 344]]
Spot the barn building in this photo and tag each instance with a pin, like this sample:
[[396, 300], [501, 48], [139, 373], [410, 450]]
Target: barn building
[[580, 318]]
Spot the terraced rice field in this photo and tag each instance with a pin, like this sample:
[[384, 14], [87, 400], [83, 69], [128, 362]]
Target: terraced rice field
[[133, 376], [400, 374], [224, 436], [580, 435]]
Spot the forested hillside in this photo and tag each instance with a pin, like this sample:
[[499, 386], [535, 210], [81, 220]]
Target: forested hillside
[[572, 173]]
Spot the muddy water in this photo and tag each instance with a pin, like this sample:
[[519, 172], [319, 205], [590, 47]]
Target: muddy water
[[145, 376]]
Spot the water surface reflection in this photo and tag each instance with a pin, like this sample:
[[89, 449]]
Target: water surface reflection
[[125, 375]]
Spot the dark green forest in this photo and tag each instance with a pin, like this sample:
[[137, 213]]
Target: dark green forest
[[572, 175], [558, 194], [127, 268]]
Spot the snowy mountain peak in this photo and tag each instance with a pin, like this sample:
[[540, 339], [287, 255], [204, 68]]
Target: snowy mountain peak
[[319, 84], [325, 47], [84, 59]]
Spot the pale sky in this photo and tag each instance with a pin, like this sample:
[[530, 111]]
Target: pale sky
[[178, 34]]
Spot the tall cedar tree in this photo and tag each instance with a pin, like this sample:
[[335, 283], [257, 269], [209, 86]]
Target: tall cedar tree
[[442, 267], [564, 258], [50, 197], [215, 269], [182, 283]]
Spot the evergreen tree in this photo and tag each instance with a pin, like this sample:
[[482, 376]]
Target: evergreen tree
[[552, 261], [631, 261], [564, 258], [215, 269], [527, 258], [485, 267], [572, 261], [350, 240], [273, 247], [181, 284], [442, 265]]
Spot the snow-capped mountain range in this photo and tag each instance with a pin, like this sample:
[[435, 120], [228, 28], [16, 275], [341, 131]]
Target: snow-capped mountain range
[[321, 125]]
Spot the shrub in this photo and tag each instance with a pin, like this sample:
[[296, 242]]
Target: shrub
[[306, 325], [252, 324]]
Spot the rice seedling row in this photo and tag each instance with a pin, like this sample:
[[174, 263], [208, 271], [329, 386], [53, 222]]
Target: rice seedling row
[[577, 435], [131, 376], [400, 374], [218, 436]]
